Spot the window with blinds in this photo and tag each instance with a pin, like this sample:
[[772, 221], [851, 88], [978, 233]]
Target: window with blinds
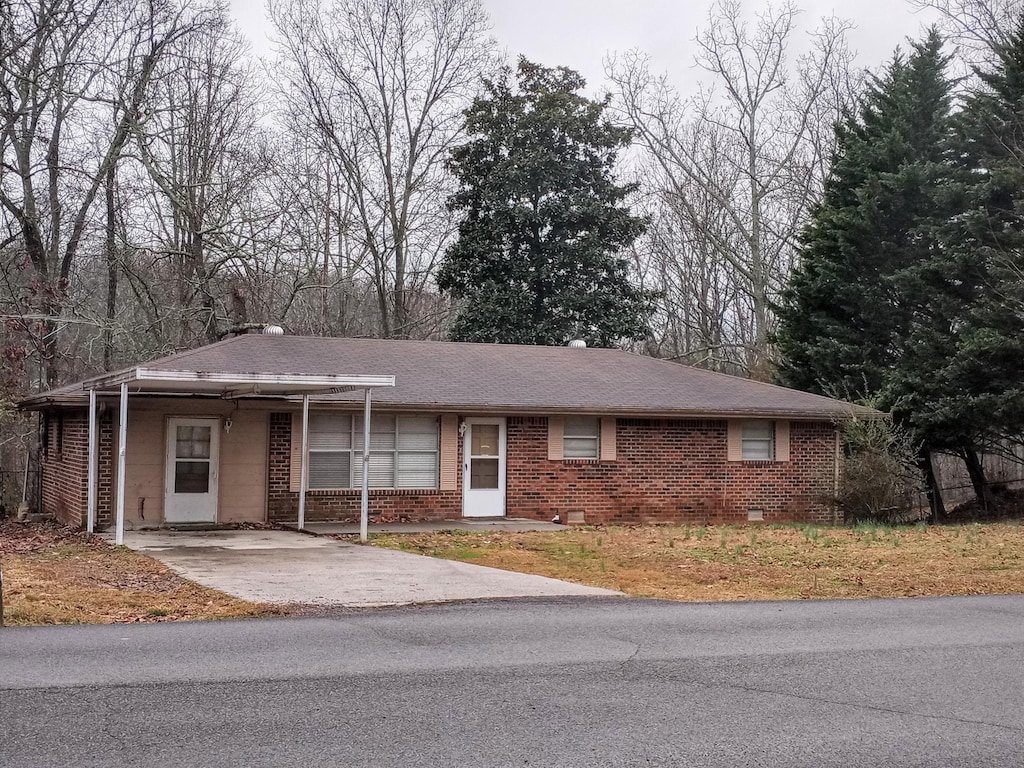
[[758, 441], [581, 437], [403, 451]]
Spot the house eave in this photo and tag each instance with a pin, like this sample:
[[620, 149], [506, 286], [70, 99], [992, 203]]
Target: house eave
[[289, 402]]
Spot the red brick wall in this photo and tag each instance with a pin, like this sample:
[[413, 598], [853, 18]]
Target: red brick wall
[[65, 482], [671, 471], [665, 471], [64, 466], [283, 504]]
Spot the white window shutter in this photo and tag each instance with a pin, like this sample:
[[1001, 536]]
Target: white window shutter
[[295, 476], [608, 438], [735, 441], [782, 441], [556, 438], [449, 479]]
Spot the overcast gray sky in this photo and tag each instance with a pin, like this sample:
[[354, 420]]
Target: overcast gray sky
[[579, 33]]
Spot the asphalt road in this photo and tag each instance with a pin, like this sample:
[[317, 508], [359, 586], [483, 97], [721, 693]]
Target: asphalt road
[[566, 682]]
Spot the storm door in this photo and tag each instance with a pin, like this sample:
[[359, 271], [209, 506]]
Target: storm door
[[483, 468], [190, 484]]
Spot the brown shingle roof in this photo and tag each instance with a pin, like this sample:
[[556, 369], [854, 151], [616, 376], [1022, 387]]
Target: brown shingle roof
[[499, 377]]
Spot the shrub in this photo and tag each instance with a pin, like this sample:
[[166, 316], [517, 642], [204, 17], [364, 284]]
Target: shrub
[[880, 481]]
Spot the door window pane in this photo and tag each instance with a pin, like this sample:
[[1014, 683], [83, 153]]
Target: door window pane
[[191, 477], [483, 474], [485, 440], [192, 443]]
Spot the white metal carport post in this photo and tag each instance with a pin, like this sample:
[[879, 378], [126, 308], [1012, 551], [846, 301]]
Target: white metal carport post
[[364, 505], [90, 506], [303, 463], [121, 453]]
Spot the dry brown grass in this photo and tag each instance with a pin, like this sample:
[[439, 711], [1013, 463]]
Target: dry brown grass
[[56, 576], [752, 563]]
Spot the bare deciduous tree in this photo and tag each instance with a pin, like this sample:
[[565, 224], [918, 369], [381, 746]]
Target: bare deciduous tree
[[382, 84], [737, 166], [73, 76], [977, 27], [202, 147]]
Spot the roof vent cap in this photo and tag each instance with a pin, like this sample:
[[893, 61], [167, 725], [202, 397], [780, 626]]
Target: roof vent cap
[[578, 344], [273, 330]]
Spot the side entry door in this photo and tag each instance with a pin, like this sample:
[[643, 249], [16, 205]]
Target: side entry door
[[190, 484]]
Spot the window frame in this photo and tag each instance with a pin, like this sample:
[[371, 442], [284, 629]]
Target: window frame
[[391, 435], [579, 436], [758, 440]]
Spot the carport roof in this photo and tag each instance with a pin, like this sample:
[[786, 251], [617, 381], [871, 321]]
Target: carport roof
[[436, 375], [185, 379]]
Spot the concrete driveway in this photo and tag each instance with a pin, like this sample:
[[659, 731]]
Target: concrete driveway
[[292, 567]]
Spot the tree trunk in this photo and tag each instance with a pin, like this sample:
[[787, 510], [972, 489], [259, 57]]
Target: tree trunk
[[108, 331], [938, 509], [976, 472]]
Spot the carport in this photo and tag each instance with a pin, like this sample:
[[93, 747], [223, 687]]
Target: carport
[[142, 382]]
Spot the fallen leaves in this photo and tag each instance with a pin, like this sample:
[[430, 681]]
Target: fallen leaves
[[54, 575]]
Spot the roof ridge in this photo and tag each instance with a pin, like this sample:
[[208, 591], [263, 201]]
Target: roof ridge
[[485, 344]]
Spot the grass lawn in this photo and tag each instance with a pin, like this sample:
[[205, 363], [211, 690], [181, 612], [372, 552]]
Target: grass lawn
[[55, 576], [768, 562]]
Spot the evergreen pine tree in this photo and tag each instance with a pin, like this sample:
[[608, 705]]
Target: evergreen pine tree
[[848, 314], [536, 260], [962, 383], [843, 319]]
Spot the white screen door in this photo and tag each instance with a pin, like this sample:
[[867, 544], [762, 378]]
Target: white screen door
[[190, 484], [483, 468]]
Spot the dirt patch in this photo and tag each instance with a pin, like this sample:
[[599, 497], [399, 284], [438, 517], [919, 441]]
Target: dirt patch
[[55, 575], [752, 563]]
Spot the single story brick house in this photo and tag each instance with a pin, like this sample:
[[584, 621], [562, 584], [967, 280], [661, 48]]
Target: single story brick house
[[215, 435]]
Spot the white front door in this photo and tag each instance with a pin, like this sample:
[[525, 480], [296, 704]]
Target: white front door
[[483, 468], [190, 484]]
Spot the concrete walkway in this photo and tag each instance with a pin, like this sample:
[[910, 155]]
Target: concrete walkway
[[288, 567]]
